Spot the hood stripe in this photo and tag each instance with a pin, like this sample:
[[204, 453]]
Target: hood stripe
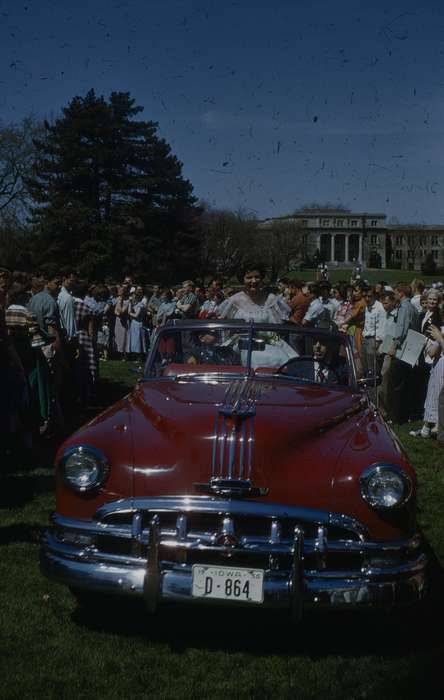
[[233, 437]]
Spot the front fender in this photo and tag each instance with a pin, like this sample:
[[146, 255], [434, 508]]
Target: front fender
[[373, 442]]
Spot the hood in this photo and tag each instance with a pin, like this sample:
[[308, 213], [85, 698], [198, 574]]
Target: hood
[[286, 437]]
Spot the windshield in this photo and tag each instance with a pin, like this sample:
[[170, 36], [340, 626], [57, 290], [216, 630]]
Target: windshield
[[307, 356]]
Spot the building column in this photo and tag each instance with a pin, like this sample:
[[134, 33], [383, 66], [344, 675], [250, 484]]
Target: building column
[[332, 242], [360, 248], [346, 248], [382, 249]]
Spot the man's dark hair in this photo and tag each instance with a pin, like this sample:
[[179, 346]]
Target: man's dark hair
[[18, 294], [80, 289], [314, 289]]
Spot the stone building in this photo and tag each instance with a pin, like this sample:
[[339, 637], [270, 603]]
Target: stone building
[[342, 237], [411, 244]]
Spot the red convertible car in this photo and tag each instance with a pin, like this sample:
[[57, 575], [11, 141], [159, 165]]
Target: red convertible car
[[247, 467]]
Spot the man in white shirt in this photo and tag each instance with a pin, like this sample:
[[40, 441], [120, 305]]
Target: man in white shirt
[[327, 300], [418, 288], [373, 332], [317, 314]]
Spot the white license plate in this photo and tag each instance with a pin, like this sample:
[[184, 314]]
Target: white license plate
[[228, 583]]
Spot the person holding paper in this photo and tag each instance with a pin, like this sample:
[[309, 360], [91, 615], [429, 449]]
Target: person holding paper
[[437, 335], [435, 385]]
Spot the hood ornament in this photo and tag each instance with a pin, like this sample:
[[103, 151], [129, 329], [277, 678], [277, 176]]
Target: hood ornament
[[233, 442]]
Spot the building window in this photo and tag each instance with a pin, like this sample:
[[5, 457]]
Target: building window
[[411, 240], [434, 240], [398, 254], [373, 222], [304, 222], [435, 254], [399, 240], [354, 222], [339, 222], [374, 240], [325, 222]]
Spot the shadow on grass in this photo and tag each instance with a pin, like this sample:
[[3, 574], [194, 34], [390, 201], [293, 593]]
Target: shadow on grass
[[19, 489], [18, 483], [21, 532], [391, 634]]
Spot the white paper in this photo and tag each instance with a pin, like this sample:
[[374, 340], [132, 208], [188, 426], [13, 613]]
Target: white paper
[[411, 348]]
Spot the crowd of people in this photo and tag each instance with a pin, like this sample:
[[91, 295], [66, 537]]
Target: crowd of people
[[55, 329]]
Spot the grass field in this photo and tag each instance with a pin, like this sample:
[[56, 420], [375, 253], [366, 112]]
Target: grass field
[[371, 275], [49, 648]]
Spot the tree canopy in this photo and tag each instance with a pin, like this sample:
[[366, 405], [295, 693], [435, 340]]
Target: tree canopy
[[109, 196]]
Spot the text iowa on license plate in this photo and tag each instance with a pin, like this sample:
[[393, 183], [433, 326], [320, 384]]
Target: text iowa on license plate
[[228, 583]]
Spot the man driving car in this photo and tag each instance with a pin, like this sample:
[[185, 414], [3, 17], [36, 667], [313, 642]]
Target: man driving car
[[323, 366]]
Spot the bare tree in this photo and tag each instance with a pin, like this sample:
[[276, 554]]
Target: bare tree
[[17, 155], [285, 243], [229, 239]]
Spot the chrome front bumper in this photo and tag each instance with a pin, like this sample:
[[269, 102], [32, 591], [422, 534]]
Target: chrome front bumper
[[155, 560]]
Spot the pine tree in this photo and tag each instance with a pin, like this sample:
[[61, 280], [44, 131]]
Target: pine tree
[[109, 193]]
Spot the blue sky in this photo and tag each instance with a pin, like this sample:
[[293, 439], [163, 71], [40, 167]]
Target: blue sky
[[268, 105]]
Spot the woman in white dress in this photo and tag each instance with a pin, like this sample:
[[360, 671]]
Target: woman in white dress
[[434, 387], [135, 339], [256, 304]]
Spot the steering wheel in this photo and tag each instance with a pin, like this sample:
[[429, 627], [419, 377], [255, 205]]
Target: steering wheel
[[308, 358]]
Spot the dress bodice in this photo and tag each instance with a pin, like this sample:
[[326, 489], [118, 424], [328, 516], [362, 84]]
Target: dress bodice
[[241, 306]]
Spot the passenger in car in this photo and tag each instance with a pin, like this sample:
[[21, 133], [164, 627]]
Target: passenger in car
[[208, 352]]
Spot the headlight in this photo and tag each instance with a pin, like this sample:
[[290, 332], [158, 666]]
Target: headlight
[[84, 468], [385, 486]]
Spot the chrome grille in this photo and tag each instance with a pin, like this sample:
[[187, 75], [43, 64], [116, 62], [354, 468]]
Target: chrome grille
[[205, 530], [182, 531]]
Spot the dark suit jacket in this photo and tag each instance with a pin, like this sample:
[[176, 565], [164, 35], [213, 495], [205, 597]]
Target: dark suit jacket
[[304, 368]]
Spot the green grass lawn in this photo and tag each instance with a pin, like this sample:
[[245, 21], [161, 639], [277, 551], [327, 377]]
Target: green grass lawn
[[50, 648]]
